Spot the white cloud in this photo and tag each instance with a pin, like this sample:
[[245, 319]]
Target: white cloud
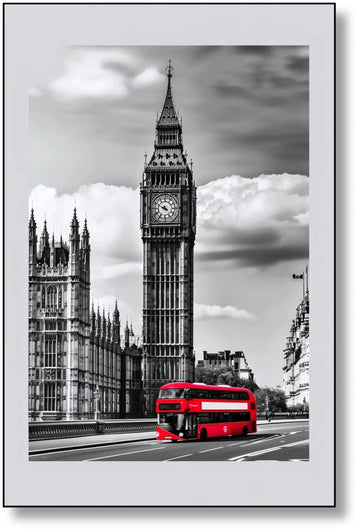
[[112, 218], [149, 76], [215, 312], [261, 220], [117, 270], [87, 74]]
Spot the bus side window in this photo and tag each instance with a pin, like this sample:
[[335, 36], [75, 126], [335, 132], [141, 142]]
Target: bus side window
[[243, 396]]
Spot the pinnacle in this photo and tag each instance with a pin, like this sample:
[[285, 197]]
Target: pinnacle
[[168, 115]]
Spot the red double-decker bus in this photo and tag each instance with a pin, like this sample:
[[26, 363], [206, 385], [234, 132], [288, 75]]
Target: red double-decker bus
[[199, 411]]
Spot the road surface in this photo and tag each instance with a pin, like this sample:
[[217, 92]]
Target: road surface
[[279, 442]]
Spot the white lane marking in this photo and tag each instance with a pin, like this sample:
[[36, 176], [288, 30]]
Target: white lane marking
[[214, 449], [302, 442], [240, 443], [264, 451], [265, 440], [121, 454], [255, 441], [177, 457], [256, 453]]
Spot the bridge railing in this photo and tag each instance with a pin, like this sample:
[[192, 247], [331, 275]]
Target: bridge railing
[[46, 430], [284, 415]]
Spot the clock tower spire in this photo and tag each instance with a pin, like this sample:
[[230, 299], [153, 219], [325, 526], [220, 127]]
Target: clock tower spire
[[168, 223]]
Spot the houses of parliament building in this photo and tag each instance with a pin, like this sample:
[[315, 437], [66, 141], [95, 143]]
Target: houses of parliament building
[[77, 355]]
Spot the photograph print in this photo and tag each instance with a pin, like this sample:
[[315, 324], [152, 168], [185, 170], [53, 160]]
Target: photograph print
[[170, 191], [169, 255]]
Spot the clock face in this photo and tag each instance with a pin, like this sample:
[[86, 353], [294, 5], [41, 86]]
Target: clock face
[[165, 208]]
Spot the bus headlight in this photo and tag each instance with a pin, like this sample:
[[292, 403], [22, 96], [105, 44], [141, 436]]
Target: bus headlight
[[181, 434]]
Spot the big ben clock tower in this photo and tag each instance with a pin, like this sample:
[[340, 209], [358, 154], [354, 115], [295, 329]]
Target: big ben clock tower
[[168, 224]]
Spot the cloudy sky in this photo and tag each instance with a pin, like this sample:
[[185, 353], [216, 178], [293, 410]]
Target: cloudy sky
[[245, 125]]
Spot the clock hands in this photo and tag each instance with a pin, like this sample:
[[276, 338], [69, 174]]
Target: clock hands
[[165, 208]]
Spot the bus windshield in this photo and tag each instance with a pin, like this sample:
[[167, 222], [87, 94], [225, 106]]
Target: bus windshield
[[171, 393]]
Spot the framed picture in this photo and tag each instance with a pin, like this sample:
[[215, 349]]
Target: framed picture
[[172, 166]]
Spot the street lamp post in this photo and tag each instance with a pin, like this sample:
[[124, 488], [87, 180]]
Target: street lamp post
[[96, 399]]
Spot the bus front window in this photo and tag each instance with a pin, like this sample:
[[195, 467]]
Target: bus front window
[[171, 393], [172, 422]]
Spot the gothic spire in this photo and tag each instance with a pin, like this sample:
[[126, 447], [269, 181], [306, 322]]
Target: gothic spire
[[85, 235], [116, 314], [32, 238], [127, 334], [32, 223], [168, 115], [109, 326], [74, 224], [44, 240], [45, 233]]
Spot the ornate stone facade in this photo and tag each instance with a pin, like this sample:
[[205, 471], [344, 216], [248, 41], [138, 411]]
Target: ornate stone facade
[[75, 355], [297, 354]]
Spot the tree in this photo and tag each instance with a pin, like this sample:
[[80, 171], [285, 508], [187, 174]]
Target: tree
[[270, 399]]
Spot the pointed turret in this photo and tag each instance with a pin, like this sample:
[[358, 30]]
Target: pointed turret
[[85, 236], [74, 225], [116, 324], [32, 243], [32, 224], [109, 327], [44, 249], [85, 251], [52, 252], [127, 334], [74, 241], [44, 240]]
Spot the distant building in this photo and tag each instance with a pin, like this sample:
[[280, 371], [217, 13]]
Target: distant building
[[236, 361], [75, 355], [296, 354]]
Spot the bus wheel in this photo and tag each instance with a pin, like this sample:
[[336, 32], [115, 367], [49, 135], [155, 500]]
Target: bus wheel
[[245, 431], [203, 435]]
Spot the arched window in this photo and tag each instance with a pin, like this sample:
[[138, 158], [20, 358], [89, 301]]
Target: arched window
[[51, 297]]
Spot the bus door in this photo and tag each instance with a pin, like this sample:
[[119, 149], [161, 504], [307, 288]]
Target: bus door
[[191, 425]]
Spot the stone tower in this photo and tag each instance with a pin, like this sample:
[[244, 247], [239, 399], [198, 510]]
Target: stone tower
[[59, 323], [168, 223]]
